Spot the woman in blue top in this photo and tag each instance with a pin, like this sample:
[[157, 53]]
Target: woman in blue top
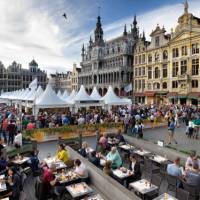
[[114, 156]]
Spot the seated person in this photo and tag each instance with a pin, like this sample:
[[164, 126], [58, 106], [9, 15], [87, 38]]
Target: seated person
[[134, 167], [62, 154], [103, 142], [3, 164], [114, 156], [18, 140], [191, 159], [120, 137], [193, 176], [14, 183], [34, 161], [82, 151], [174, 168], [94, 159], [107, 169], [80, 169]]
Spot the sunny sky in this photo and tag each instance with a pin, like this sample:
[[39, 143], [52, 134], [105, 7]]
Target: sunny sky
[[36, 28]]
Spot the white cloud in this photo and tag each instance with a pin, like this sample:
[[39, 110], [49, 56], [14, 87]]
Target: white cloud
[[35, 28]]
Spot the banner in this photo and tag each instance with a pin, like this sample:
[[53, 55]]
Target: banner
[[33, 84], [128, 88]]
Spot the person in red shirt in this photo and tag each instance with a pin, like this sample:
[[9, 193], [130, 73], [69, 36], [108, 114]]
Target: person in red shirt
[[4, 129]]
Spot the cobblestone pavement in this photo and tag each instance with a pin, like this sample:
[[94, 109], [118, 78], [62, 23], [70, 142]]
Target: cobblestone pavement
[[184, 143]]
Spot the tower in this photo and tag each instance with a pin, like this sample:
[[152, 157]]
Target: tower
[[134, 29], [98, 33], [83, 52], [125, 31]]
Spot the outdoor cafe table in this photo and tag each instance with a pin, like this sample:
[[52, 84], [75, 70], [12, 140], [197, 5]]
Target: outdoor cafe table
[[94, 197], [165, 196], [143, 187], [141, 152], [121, 175], [67, 177], [3, 186], [89, 150], [126, 147], [158, 159], [113, 141], [20, 161], [58, 163], [78, 190]]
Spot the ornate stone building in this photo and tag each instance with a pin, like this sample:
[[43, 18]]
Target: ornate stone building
[[61, 81], [171, 67], [110, 62], [74, 77], [15, 77]]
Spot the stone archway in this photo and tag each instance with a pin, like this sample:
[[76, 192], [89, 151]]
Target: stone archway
[[104, 91], [90, 91], [100, 91], [122, 92], [116, 90]]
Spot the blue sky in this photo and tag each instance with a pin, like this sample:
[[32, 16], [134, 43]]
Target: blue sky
[[36, 28]]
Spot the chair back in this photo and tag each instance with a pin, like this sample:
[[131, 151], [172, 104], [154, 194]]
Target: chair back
[[148, 165], [156, 180], [193, 190], [182, 194], [172, 182]]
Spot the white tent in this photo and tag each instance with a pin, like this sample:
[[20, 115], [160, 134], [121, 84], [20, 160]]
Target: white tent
[[82, 95], [31, 95], [111, 98], [65, 95], [59, 94], [70, 98], [24, 94], [39, 91], [49, 99], [95, 94]]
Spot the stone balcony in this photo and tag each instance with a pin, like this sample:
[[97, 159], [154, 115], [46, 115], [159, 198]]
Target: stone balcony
[[183, 77]]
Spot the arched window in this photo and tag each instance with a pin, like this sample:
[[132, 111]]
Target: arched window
[[164, 85], [156, 57], [157, 72], [149, 58], [165, 55], [156, 86]]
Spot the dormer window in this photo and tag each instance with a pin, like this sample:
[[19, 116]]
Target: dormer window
[[157, 41]]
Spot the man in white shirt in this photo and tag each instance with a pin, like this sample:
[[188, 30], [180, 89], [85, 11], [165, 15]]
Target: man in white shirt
[[80, 169], [18, 139]]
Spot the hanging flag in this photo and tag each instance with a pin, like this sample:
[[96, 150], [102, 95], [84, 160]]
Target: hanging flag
[[128, 88], [33, 84]]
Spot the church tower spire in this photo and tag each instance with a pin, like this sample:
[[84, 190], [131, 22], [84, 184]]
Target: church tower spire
[[125, 31], [134, 29], [98, 33]]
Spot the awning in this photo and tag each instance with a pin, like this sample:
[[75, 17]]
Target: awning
[[172, 95], [150, 94], [139, 94], [194, 95]]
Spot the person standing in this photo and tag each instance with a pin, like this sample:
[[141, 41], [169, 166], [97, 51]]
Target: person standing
[[11, 132], [171, 129]]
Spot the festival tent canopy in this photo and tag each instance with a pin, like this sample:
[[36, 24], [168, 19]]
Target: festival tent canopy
[[39, 91], [70, 98], [82, 95], [95, 94], [111, 98], [59, 94], [65, 95], [31, 95], [49, 99]]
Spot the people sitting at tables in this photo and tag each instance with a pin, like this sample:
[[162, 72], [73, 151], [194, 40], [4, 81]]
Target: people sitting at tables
[[114, 156], [18, 139], [103, 142], [83, 151], [134, 167], [174, 168], [192, 158], [107, 169], [14, 183], [3, 164], [80, 169], [94, 159], [62, 154], [120, 137], [193, 176]]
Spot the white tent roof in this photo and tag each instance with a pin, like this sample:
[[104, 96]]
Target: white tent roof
[[95, 94], [59, 94], [70, 98], [24, 94], [31, 95], [39, 91], [65, 95], [49, 99], [82, 95], [111, 98]]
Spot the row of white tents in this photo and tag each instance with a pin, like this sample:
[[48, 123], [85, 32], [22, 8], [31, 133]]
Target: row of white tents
[[37, 98]]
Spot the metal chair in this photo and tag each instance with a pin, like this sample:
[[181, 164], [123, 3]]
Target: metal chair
[[149, 168], [182, 194], [193, 191], [172, 182]]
